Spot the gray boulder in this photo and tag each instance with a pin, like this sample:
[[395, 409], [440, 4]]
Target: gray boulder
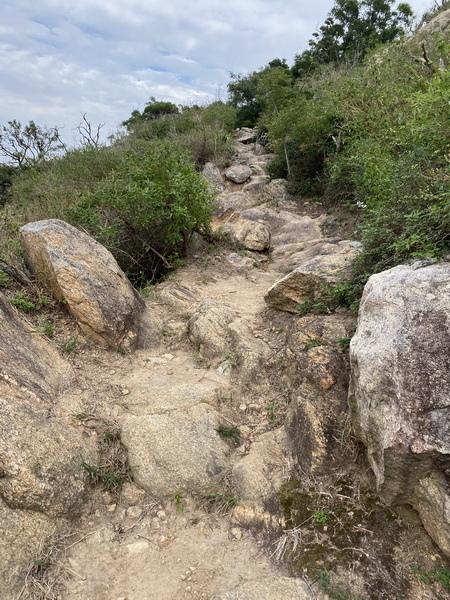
[[400, 381], [235, 202], [245, 135], [238, 173], [81, 272], [212, 174]]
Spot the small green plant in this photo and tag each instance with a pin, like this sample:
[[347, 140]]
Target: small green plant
[[344, 342], [334, 592], [22, 301], [229, 432], [178, 499], [430, 576], [83, 416], [47, 327], [225, 501], [110, 436], [321, 516], [308, 306], [200, 361], [70, 345], [166, 332], [108, 475], [313, 343], [233, 359], [271, 410], [41, 564], [5, 279]]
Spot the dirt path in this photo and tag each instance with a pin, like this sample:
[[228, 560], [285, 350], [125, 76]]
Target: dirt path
[[133, 546]]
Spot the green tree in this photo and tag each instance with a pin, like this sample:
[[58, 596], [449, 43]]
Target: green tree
[[29, 144], [351, 29], [154, 109], [244, 94]]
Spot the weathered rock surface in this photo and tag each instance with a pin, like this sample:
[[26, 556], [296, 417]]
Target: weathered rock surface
[[308, 282], [253, 235], [40, 478], [271, 588], [176, 452], [257, 184], [82, 273], [213, 175], [245, 135], [313, 248], [257, 477], [400, 377], [274, 191], [22, 532], [238, 173], [208, 328], [285, 227], [218, 331], [235, 202]]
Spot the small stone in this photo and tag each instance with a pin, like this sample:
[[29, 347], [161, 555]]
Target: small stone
[[163, 541], [111, 507], [188, 588], [161, 514], [112, 372], [243, 407], [125, 391], [134, 512], [183, 578], [236, 533]]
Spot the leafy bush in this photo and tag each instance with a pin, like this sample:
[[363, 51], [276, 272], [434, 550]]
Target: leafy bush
[[376, 138], [146, 209]]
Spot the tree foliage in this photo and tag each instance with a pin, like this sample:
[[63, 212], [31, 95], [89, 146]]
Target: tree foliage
[[154, 109], [147, 208], [246, 92], [29, 144], [352, 28]]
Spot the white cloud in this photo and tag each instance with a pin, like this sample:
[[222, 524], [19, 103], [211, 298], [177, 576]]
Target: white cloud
[[62, 57]]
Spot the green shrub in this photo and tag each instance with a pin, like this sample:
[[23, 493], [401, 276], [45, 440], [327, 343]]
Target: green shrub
[[146, 210]]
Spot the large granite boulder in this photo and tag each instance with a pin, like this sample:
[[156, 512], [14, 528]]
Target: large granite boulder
[[238, 173], [85, 276], [229, 202], [399, 388]]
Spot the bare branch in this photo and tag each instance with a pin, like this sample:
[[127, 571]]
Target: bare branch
[[90, 136]]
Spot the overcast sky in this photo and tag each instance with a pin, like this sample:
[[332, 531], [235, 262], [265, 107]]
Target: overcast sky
[[59, 58]]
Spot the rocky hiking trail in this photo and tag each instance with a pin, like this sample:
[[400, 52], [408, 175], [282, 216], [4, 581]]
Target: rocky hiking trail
[[207, 421]]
